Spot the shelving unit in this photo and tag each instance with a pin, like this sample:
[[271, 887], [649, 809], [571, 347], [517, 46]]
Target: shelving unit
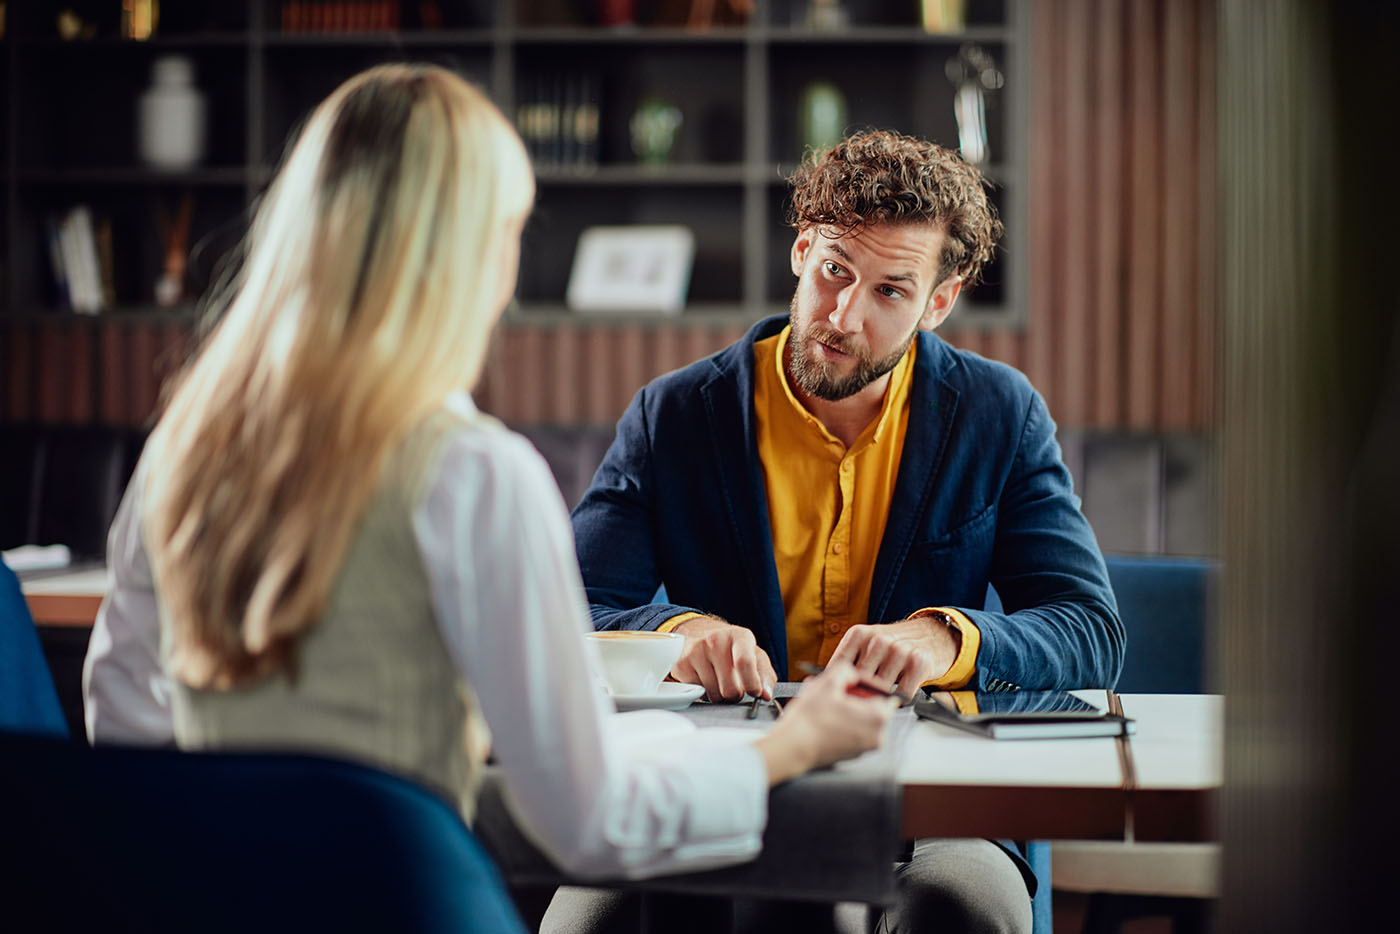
[[67, 132], [70, 127]]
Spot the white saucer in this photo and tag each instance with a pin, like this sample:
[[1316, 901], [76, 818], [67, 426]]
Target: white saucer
[[672, 695]]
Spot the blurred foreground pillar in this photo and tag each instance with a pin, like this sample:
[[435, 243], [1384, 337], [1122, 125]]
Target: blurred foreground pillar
[[1310, 436]]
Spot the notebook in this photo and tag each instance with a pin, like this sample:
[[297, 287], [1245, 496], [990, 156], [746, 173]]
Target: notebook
[[1022, 714]]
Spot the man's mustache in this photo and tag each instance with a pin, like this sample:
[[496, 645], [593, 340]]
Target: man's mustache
[[833, 340]]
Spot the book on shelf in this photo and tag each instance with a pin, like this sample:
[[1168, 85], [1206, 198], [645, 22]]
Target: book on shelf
[[1022, 714], [558, 120], [81, 275], [343, 15]]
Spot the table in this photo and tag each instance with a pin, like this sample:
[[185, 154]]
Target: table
[[936, 781], [958, 784], [955, 784], [67, 599]]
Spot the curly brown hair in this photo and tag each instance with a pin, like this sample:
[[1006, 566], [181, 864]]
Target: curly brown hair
[[878, 176]]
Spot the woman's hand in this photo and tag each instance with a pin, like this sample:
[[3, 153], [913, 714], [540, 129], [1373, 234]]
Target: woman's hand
[[830, 720]]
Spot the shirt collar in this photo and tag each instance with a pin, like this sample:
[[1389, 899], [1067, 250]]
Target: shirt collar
[[459, 402], [895, 390]]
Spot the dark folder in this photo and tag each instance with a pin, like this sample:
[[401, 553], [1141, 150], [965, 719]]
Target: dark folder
[[1022, 714]]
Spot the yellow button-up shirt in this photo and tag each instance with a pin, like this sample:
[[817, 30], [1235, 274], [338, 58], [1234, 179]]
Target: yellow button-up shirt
[[827, 506]]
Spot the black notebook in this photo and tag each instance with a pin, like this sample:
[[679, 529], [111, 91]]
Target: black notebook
[[1022, 714]]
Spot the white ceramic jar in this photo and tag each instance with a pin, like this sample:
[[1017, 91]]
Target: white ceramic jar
[[171, 116]]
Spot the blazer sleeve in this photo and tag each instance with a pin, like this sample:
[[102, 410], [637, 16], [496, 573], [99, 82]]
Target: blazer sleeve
[[1060, 628], [615, 528]]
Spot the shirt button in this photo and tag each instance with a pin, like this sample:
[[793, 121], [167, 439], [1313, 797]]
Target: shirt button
[[837, 548], [845, 466], [833, 628]]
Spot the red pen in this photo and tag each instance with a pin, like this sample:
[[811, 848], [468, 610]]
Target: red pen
[[860, 687]]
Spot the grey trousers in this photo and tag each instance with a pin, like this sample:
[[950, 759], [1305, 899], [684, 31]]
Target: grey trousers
[[948, 886]]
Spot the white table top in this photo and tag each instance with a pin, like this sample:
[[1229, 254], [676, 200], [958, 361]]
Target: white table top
[[87, 582], [1177, 744]]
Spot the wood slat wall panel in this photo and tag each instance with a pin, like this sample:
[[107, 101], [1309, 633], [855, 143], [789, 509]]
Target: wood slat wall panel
[[1144, 231], [54, 370], [1121, 328], [1043, 201], [82, 368], [1177, 335], [1109, 214], [112, 365], [1073, 337]]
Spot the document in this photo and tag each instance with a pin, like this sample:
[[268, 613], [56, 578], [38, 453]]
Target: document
[[1021, 714]]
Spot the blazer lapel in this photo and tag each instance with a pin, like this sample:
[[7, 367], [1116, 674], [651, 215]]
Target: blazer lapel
[[729, 407], [932, 406]]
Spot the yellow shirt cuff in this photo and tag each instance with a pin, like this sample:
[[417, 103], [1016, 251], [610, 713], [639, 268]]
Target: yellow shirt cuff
[[675, 621], [965, 701], [965, 665]]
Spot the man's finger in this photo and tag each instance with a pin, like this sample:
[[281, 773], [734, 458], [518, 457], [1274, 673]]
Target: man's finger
[[875, 651], [894, 665], [746, 667], [917, 669], [766, 672], [849, 647], [725, 658], [705, 675]]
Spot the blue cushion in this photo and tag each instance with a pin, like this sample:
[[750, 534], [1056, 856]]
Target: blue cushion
[[28, 701], [1165, 605], [161, 840], [1165, 602]]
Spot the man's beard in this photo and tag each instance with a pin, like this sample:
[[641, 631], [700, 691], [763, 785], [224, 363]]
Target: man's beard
[[820, 378]]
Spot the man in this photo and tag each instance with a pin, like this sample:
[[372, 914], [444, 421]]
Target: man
[[844, 484]]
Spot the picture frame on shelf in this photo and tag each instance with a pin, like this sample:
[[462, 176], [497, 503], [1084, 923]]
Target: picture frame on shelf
[[642, 268]]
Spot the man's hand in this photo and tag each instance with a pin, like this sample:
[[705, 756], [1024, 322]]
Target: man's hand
[[724, 658], [906, 653]]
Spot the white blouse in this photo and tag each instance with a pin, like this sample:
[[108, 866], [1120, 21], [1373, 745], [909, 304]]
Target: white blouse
[[495, 539]]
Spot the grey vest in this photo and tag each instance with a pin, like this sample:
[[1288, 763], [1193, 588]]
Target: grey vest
[[374, 679]]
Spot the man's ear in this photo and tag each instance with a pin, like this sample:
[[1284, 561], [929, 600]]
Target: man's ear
[[940, 303], [800, 247]]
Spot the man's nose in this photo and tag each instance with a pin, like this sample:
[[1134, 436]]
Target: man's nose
[[848, 316]]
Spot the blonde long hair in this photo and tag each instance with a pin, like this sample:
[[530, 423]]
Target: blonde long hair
[[376, 268]]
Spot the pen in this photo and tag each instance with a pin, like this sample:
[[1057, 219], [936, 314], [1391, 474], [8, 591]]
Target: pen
[[753, 708], [864, 685]]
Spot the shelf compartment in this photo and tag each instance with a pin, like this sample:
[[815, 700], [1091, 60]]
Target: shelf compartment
[[296, 81], [86, 118], [924, 108], [217, 223], [560, 216], [704, 82]]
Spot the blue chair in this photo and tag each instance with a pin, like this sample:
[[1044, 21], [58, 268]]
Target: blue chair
[[162, 841], [1165, 603], [28, 701]]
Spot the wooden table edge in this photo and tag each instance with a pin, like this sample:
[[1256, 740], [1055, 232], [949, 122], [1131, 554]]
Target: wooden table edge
[[1183, 815], [63, 609]]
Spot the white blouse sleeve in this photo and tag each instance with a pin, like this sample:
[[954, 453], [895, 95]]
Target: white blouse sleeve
[[498, 548], [125, 694]]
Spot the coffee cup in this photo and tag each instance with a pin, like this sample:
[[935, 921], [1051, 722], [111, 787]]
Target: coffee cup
[[636, 661]]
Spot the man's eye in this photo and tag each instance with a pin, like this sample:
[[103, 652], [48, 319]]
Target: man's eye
[[832, 268], [890, 291]]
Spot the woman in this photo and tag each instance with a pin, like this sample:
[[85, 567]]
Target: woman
[[326, 547]]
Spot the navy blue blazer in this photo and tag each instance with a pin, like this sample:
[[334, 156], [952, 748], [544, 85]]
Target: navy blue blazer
[[982, 496]]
